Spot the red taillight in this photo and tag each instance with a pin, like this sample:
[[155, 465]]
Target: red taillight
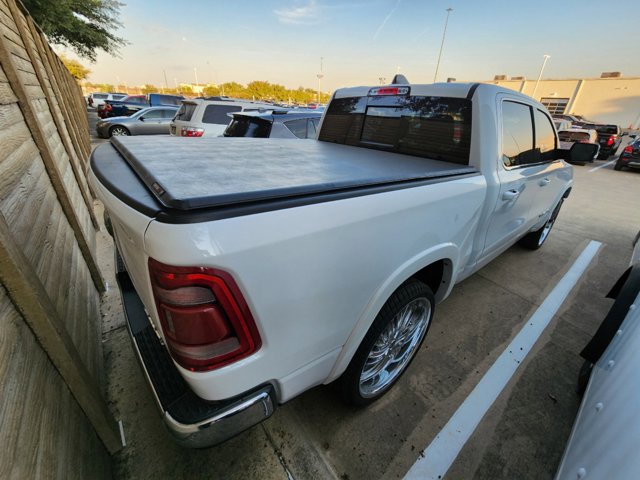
[[610, 140], [628, 149], [204, 318], [191, 132]]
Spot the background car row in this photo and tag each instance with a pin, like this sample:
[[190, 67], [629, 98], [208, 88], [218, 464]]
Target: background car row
[[213, 116]]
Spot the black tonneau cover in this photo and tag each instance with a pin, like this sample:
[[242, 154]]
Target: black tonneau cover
[[188, 174]]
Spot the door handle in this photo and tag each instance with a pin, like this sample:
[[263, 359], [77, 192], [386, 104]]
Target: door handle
[[544, 182], [510, 195]]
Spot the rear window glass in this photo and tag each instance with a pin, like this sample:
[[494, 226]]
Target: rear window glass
[[248, 127], [168, 99], [217, 114], [433, 127], [185, 112], [566, 136], [608, 129], [135, 99]]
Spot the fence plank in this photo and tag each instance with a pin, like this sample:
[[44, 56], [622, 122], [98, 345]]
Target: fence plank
[[78, 173], [84, 148], [30, 298], [6, 61]]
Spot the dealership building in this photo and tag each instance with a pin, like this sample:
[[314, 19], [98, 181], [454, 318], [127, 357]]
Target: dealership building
[[610, 99]]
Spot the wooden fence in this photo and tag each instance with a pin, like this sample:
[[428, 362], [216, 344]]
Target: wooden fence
[[53, 418]]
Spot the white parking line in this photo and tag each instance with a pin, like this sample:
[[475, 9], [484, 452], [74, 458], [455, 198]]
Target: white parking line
[[436, 459], [603, 165]]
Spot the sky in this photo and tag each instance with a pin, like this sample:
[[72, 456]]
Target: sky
[[282, 41]]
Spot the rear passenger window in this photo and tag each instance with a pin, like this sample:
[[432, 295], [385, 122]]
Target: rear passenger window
[[517, 135], [218, 114], [298, 127], [185, 112], [545, 137], [152, 114], [168, 113]]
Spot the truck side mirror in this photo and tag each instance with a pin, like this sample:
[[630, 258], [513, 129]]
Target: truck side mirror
[[582, 152]]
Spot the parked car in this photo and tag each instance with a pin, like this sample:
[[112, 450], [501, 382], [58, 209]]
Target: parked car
[[105, 110], [609, 138], [211, 115], [133, 103], [270, 267], [148, 121], [630, 156], [604, 439], [98, 98], [569, 137], [278, 124]]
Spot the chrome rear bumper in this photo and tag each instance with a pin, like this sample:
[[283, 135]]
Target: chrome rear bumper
[[192, 421]]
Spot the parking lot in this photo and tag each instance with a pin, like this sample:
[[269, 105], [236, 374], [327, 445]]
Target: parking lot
[[524, 431]]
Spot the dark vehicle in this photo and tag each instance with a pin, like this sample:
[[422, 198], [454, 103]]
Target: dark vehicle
[[609, 138], [630, 156], [276, 124], [105, 110], [148, 121], [133, 103]]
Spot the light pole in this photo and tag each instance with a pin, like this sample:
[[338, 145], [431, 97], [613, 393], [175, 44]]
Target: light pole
[[444, 33], [320, 75], [544, 62], [195, 72]]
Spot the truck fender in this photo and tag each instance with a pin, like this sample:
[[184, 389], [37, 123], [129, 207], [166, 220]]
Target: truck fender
[[447, 252]]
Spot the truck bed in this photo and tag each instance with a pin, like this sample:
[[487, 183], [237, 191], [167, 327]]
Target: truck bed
[[188, 175]]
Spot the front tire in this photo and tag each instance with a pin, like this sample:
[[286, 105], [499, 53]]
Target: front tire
[[118, 131], [535, 240], [390, 344]]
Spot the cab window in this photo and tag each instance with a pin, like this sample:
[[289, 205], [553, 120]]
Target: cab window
[[517, 135], [545, 137]]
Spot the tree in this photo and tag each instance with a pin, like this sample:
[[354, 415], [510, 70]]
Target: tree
[[233, 89], [211, 91], [85, 26], [76, 69], [148, 88]]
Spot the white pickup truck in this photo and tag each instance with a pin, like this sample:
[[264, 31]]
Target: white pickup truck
[[252, 270]]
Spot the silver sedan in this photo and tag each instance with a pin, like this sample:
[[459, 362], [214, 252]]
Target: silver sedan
[[148, 121]]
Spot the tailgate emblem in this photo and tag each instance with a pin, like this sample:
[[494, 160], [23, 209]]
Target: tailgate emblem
[[157, 188]]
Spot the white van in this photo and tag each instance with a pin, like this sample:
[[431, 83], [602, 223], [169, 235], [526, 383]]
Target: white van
[[211, 115]]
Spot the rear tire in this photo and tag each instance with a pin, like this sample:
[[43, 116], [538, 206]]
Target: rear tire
[[535, 240], [618, 166], [118, 131], [390, 344]]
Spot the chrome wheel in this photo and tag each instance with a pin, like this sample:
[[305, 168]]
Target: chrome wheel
[[395, 347], [119, 131]]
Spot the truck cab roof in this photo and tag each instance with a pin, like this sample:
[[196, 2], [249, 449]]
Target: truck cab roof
[[444, 89]]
